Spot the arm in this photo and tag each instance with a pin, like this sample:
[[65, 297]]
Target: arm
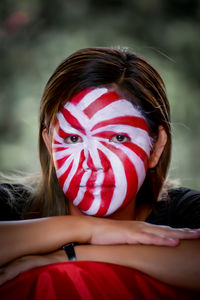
[[20, 238], [179, 266]]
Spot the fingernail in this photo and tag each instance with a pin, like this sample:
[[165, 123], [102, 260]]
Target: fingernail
[[194, 231], [173, 240]]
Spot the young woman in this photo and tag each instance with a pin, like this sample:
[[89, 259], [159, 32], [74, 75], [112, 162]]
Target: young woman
[[105, 146]]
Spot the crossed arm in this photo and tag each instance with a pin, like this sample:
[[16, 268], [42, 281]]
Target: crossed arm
[[169, 255]]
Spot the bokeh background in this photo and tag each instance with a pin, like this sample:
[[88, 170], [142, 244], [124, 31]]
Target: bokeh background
[[35, 36]]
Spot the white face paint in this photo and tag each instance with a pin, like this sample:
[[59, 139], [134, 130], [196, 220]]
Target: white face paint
[[101, 148]]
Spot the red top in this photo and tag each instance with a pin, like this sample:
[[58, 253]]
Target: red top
[[84, 280]]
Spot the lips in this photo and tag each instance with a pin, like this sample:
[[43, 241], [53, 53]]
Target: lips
[[96, 185]]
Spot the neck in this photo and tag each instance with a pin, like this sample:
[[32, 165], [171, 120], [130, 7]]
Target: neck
[[126, 213], [142, 212]]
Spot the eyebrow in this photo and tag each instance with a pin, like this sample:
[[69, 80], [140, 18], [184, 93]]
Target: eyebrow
[[73, 121], [134, 121]]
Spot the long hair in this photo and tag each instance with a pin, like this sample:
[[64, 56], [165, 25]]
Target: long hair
[[94, 67]]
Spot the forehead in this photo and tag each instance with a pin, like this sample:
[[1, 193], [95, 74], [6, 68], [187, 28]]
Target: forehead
[[93, 106], [95, 100]]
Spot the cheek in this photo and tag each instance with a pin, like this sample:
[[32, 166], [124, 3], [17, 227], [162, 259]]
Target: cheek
[[135, 175], [135, 164], [130, 172], [138, 156]]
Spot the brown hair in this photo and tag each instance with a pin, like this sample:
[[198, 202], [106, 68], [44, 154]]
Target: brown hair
[[93, 67]]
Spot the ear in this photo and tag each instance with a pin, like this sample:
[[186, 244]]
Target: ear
[[47, 140], [158, 147]]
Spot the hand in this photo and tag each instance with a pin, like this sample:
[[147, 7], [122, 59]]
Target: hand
[[28, 262], [106, 232]]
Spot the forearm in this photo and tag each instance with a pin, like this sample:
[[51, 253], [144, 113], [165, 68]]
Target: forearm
[[19, 238], [179, 266]]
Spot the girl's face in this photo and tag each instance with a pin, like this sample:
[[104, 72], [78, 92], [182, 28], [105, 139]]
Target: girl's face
[[101, 148]]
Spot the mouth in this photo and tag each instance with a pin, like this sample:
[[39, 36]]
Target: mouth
[[96, 186]]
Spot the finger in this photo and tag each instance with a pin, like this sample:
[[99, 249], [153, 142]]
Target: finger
[[168, 232], [13, 269], [6, 275], [153, 239]]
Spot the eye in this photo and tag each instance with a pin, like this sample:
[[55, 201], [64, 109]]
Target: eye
[[73, 139], [120, 138]]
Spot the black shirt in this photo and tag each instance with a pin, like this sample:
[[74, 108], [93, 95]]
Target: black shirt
[[180, 209]]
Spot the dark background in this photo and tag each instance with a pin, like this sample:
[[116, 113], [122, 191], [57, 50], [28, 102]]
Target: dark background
[[35, 36]]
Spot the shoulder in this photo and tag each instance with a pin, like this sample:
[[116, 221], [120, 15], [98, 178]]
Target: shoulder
[[181, 208], [13, 198]]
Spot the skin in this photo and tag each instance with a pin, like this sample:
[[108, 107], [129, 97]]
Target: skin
[[122, 239], [101, 146], [164, 253]]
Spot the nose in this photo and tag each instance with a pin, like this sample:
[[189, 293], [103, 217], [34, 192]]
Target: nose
[[95, 161]]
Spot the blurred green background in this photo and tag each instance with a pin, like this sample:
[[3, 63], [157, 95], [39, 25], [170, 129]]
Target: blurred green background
[[35, 36]]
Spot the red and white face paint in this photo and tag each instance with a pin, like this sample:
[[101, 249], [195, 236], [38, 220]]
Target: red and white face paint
[[101, 148]]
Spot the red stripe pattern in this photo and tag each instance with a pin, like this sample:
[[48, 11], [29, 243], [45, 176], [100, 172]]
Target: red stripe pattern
[[101, 148]]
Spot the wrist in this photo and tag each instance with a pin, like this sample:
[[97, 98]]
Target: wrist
[[91, 252], [71, 229], [82, 229], [57, 256], [70, 251]]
